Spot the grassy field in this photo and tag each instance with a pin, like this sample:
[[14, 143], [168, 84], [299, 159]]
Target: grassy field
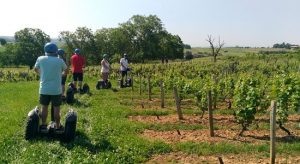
[[104, 133], [121, 126]]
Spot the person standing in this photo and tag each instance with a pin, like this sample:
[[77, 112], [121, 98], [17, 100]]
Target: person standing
[[61, 54], [105, 68], [50, 68], [78, 63], [124, 67]]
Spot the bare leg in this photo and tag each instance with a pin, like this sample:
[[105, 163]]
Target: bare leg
[[44, 114], [57, 116], [105, 77], [80, 84], [75, 83]]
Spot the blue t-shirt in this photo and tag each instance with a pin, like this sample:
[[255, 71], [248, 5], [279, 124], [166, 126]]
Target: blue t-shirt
[[51, 69]]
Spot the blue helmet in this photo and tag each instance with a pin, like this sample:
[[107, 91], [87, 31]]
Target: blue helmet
[[105, 56], [77, 50], [60, 52], [50, 48]]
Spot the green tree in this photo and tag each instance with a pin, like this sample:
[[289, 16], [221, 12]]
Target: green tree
[[30, 44], [2, 41], [144, 35], [84, 39], [141, 37], [187, 46]]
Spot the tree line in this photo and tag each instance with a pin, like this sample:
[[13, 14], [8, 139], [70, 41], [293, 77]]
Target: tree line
[[282, 45], [141, 37]]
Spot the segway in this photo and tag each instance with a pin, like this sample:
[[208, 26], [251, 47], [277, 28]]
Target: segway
[[128, 81], [32, 126], [85, 88], [101, 84], [70, 94]]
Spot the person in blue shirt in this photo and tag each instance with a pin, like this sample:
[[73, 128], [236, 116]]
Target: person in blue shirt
[[50, 68]]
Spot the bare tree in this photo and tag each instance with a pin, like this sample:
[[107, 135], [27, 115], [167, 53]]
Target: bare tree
[[215, 48]]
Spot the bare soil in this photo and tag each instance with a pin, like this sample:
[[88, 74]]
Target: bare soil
[[185, 104], [220, 121], [179, 157], [227, 130]]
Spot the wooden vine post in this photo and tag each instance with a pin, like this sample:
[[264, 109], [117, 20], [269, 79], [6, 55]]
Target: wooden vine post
[[132, 83], [140, 85], [132, 88], [177, 101], [162, 94], [210, 114], [272, 132], [149, 89]]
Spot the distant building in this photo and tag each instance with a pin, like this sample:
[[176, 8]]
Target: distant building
[[294, 46]]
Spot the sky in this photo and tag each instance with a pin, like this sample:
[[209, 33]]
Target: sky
[[255, 23]]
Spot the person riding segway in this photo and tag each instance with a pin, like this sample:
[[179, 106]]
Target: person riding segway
[[105, 68], [78, 63], [61, 54], [124, 72], [50, 68]]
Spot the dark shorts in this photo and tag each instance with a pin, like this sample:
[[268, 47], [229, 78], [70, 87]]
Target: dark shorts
[[46, 99], [63, 80], [77, 76], [124, 73]]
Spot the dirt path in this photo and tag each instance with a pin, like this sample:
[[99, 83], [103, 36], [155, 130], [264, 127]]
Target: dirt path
[[179, 157]]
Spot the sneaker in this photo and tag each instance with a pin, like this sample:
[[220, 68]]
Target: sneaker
[[43, 129], [60, 130]]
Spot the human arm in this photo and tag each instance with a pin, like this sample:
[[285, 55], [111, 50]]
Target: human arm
[[37, 66], [37, 70]]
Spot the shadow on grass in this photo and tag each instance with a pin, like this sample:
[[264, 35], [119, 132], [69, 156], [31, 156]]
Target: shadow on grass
[[83, 141], [285, 139]]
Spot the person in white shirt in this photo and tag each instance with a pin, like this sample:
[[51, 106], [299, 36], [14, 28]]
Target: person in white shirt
[[105, 67], [124, 67]]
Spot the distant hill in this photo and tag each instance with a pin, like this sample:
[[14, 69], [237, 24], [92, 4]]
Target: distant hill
[[8, 38], [12, 39]]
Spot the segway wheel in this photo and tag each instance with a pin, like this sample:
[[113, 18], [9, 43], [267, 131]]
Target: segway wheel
[[120, 82], [98, 86], [86, 88], [70, 126], [128, 82], [32, 124], [108, 86], [70, 95]]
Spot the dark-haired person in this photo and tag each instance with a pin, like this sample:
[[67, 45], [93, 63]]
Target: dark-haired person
[[78, 63], [50, 68]]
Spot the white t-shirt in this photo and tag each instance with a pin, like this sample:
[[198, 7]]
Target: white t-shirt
[[104, 66], [125, 64]]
